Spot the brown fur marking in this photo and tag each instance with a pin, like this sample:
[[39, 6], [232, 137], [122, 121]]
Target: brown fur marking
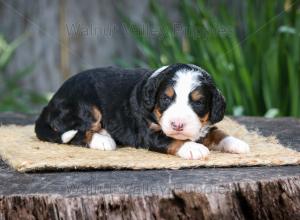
[[196, 95], [204, 120], [154, 127], [170, 91], [157, 113], [175, 146], [214, 137], [95, 126]]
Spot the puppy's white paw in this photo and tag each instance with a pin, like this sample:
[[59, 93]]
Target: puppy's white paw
[[193, 151], [68, 136], [233, 145], [102, 142]]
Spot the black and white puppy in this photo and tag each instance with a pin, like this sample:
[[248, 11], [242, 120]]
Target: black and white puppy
[[171, 110]]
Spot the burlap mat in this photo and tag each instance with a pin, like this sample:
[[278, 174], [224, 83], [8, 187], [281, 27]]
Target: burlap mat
[[20, 148]]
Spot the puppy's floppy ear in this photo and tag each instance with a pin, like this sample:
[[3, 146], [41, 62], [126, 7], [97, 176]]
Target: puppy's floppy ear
[[218, 106], [151, 86]]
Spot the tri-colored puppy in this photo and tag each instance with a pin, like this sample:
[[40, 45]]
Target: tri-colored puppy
[[170, 110]]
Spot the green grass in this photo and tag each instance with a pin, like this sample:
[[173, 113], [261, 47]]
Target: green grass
[[14, 97], [254, 59]]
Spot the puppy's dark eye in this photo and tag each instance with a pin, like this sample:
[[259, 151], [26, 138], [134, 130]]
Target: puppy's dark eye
[[199, 102], [166, 99]]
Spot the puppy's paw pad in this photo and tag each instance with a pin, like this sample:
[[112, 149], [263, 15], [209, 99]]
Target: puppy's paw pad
[[193, 151], [102, 142], [234, 145]]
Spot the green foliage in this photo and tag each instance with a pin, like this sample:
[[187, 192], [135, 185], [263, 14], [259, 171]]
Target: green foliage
[[254, 59], [13, 96]]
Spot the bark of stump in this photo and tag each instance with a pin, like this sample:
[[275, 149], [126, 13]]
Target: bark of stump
[[209, 193]]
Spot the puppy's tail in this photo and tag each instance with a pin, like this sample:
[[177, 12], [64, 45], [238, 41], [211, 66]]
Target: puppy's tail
[[44, 131]]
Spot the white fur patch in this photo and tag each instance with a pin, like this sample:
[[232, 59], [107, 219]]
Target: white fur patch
[[193, 151], [158, 71], [102, 141], [233, 145], [181, 111], [68, 136]]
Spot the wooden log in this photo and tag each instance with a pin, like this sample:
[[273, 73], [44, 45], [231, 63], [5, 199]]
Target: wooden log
[[207, 193], [275, 199]]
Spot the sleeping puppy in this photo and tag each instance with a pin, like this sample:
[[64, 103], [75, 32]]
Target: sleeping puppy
[[170, 110]]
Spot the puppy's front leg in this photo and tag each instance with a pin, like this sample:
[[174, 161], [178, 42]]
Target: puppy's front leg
[[184, 149], [217, 139], [188, 150]]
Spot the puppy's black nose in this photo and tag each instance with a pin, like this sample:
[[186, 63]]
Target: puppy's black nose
[[177, 126]]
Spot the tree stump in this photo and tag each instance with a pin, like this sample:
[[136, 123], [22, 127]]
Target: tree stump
[[204, 193]]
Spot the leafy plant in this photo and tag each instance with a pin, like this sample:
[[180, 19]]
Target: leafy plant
[[14, 97], [254, 59]]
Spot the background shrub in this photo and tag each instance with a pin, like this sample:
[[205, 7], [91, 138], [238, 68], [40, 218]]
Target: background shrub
[[254, 56]]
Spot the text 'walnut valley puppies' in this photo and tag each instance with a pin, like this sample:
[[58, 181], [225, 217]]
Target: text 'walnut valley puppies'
[[171, 110]]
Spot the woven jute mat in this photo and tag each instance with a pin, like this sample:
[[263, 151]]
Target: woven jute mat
[[20, 148]]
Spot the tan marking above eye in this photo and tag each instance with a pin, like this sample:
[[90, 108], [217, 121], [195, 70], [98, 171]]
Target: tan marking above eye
[[170, 91], [196, 95]]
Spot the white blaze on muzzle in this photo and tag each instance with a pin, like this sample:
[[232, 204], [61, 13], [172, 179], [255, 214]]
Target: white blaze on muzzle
[[181, 112]]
